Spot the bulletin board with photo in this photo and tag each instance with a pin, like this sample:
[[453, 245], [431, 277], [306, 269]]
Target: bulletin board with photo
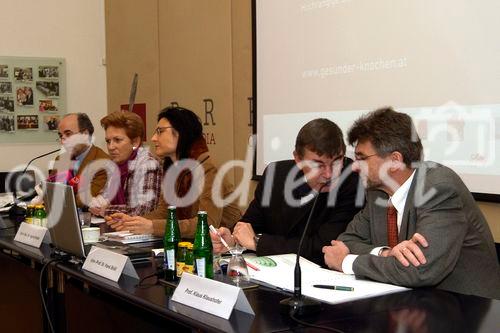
[[32, 98]]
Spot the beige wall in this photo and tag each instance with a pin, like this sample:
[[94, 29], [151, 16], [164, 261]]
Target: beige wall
[[132, 47], [74, 31], [186, 51], [492, 213], [191, 52], [196, 65], [242, 82]]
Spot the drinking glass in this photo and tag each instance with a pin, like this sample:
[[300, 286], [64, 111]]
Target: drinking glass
[[217, 268], [85, 218], [237, 268]]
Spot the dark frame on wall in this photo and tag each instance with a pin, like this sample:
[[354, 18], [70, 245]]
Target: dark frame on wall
[[255, 176], [486, 197]]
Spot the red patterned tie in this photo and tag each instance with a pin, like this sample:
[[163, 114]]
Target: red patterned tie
[[392, 225]]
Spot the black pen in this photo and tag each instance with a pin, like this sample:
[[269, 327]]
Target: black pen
[[326, 286]]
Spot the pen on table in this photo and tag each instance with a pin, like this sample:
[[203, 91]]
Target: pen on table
[[215, 231], [326, 286], [255, 268]]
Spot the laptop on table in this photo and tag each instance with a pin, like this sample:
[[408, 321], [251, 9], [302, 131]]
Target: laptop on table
[[65, 231]]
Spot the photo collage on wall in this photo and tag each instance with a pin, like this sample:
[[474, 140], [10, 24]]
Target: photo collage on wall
[[6, 101], [30, 97]]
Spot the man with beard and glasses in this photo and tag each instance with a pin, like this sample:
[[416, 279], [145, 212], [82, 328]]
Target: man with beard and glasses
[[75, 132], [420, 227], [275, 219]]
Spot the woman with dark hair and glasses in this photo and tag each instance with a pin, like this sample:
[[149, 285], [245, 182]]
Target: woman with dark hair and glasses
[[189, 177]]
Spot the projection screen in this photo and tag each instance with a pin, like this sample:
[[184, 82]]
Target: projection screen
[[438, 61]]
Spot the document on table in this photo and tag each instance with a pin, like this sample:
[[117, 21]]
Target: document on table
[[278, 271], [127, 237], [5, 199], [97, 220]]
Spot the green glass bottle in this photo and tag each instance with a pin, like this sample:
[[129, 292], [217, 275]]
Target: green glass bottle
[[170, 243], [38, 215], [202, 248], [189, 265], [43, 217], [29, 214]]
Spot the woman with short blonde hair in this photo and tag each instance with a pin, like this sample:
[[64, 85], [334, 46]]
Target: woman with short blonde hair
[[140, 172]]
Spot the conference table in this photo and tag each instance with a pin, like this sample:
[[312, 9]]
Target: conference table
[[79, 301]]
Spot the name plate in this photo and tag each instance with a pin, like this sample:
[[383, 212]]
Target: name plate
[[30, 234], [210, 296], [109, 264]]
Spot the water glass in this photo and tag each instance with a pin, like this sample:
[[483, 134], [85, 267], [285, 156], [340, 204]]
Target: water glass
[[85, 218], [217, 268], [237, 268]]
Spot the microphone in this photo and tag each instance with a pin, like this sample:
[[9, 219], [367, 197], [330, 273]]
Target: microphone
[[298, 304], [27, 166], [17, 213], [40, 156]]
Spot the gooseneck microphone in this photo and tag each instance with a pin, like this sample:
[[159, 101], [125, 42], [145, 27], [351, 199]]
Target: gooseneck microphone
[[17, 213], [29, 163], [298, 305], [40, 156]]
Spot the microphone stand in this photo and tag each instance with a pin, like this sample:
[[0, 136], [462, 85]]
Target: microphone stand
[[16, 213], [299, 305]]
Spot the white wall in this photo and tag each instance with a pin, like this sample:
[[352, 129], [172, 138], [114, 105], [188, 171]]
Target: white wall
[[70, 29]]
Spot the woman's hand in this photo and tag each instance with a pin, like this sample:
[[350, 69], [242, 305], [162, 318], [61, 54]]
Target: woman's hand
[[98, 205], [97, 211], [116, 220], [138, 225]]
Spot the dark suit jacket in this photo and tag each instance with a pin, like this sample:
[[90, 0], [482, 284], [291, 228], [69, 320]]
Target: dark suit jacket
[[29, 100], [461, 255], [282, 225], [98, 180]]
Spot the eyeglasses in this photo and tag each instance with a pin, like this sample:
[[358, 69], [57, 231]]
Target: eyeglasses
[[66, 134], [162, 129], [362, 157]]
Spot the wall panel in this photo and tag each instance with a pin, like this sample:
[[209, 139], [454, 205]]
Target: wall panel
[[196, 66], [132, 47]]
